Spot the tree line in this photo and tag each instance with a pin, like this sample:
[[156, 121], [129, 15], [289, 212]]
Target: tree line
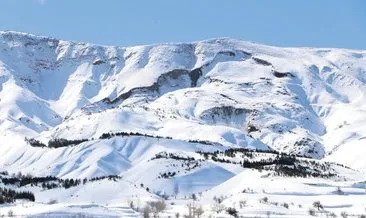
[[281, 164], [61, 142], [9, 195], [51, 182]]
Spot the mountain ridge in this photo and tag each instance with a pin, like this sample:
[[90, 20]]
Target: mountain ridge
[[71, 82], [13, 32]]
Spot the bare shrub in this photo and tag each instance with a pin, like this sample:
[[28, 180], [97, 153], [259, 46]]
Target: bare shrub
[[157, 207], [147, 211], [264, 200], [268, 214], [344, 214], [317, 205], [285, 205], [52, 201], [217, 207], [242, 204], [194, 211], [312, 212], [131, 204], [198, 212], [339, 191], [10, 213], [232, 211], [333, 215]]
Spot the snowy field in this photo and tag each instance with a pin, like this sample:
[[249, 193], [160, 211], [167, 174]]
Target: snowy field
[[251, 193]]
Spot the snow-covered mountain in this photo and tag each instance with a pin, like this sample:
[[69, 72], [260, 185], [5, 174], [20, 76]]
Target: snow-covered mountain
[[179, 101]]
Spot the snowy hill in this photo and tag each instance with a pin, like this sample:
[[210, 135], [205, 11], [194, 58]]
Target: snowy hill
[[155, 114]]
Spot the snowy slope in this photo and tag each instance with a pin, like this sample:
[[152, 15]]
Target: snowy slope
[[203, 96]]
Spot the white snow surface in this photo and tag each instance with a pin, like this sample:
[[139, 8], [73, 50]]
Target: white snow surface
[[231, 93]]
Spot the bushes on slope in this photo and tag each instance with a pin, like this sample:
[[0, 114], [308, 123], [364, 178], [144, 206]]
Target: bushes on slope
[[54, 143]]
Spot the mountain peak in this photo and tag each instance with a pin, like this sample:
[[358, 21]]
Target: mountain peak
[[17, 35]]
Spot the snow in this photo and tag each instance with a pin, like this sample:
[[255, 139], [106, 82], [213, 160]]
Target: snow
[[51, 88]]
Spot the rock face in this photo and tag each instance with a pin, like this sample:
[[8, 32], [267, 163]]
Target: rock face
[[230, 93]]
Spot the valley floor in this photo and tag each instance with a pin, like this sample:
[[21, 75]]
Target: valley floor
[[251, 193]]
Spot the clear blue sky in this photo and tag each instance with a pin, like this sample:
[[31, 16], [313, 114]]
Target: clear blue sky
[[315, 23]]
